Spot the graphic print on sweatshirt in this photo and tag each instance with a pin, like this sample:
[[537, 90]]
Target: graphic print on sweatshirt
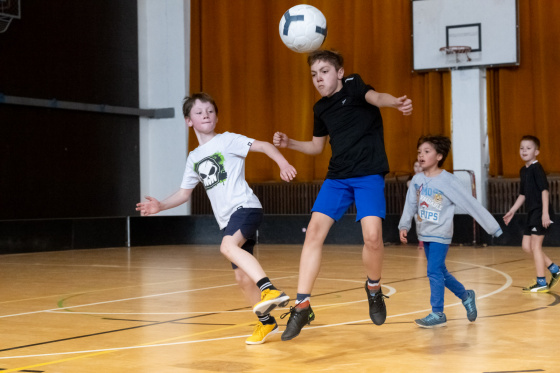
[[430, 203], [211, 170]]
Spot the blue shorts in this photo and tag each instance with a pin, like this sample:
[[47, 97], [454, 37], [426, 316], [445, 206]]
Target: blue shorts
[[336, 195], [247, 221]]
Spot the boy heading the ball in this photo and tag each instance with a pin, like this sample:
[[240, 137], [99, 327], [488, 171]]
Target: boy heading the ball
[[219, 163], [348, 113]]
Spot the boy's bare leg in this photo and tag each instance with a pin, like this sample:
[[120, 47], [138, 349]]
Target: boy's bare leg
[[538, 255], [251, 292], [231, 249], [372, 254], [267, 326], [310, 262]]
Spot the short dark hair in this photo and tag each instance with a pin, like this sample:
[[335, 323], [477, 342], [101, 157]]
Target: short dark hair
[[188, 102], [333, 57], [442, 145], [534, 139]]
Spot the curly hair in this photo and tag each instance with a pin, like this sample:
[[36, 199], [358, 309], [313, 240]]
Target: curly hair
[[442, 145]]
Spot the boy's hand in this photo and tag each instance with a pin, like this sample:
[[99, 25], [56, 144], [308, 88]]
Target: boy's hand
[[403, 233], [150, 207], [280, 140], [404, 105], [507, 217], [546, 220], [288, 173]]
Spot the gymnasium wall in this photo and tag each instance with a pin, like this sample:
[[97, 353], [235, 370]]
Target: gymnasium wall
[[61, 163]]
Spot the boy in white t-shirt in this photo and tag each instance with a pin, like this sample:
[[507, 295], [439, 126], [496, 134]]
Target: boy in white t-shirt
[[219, 163]]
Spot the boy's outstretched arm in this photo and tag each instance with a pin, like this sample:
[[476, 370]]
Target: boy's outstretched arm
[[152, 206], [287, 171], [313, 147], [403, 103], [518, 203]]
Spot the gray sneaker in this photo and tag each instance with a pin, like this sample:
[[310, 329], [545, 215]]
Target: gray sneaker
[[470, 305], [433, 320]]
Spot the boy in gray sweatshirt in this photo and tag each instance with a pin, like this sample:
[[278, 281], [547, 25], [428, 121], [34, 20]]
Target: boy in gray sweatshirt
[[431, 200]]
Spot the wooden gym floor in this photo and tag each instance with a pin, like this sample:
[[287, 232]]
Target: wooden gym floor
[[177, 309]]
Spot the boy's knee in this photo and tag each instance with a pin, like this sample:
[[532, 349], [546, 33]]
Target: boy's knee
[[314, 233], [225, 249], [373, 241], [527, 248]]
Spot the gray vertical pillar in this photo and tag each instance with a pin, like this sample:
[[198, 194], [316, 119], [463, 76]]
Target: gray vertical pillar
[[164, 47]]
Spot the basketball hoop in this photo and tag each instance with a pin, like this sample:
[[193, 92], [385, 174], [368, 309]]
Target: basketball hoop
[[455, 49]]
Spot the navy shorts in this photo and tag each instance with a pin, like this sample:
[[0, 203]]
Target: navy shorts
[[336, 195], [247, 221]]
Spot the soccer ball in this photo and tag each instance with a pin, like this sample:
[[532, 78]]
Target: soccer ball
[[303, 28]]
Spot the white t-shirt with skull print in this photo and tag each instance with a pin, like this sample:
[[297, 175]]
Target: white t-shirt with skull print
[[220, 166]]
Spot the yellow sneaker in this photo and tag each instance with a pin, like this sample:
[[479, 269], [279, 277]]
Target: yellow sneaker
[[554, 280], [261, 333], [536, 288], [270, 299]]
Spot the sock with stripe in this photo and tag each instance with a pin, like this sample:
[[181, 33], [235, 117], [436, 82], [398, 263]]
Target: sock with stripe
[[264, 283], [267, 319], [303, 300], [373, 285], [553, 268]]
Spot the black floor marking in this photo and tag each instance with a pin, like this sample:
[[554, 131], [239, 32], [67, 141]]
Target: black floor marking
[[108, 332], [27, 370], [150, 323], [516, 371]]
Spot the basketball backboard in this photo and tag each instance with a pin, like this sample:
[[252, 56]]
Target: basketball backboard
[[459, 34], [9, 9]]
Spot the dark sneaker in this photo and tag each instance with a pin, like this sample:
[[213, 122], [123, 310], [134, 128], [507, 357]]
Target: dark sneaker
[[470, 305], [377, 309], [536, 288], [433, 320], [298, 319], [554, 280]]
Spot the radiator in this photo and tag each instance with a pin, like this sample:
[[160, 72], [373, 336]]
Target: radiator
[[502, 194], [298, 198]]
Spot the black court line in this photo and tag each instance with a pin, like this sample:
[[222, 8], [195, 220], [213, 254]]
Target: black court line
[[111, 331], [516, 371], [27, 371], [215, 313]]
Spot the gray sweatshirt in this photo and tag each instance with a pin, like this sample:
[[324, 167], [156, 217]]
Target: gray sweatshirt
[[432, 200]]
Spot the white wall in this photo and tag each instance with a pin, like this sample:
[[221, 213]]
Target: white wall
[[164, 46]]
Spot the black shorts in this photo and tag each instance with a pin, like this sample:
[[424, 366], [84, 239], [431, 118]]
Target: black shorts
[[537, 230], [248, 222]]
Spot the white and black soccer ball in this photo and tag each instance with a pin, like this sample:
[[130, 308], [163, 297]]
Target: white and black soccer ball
[[303, 28]]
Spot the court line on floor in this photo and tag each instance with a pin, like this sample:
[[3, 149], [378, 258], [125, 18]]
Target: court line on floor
[[502, 288], [392, 291], [126, 299]]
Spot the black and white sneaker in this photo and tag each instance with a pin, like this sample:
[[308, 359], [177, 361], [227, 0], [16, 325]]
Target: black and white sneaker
[[298, 318], [377, 309]]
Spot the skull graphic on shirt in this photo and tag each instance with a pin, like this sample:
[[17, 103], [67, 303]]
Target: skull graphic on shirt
[[211, 170]]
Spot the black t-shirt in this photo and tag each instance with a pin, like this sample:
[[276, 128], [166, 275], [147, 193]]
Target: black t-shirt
[[533, 182], [355, 128]]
